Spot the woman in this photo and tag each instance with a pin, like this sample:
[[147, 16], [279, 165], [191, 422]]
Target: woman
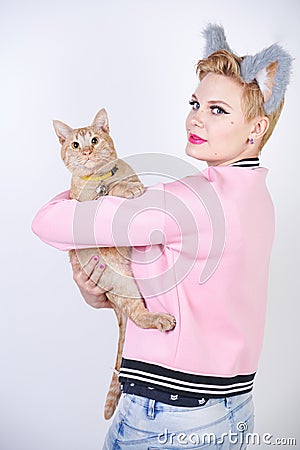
[[201, 253]]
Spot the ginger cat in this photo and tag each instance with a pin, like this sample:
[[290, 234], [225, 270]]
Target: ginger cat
[[90, 155]]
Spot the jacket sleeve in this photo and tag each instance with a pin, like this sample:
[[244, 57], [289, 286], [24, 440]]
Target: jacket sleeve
[[108, 222]]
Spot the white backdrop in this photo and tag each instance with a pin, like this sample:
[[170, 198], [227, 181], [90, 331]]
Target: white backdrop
[[65, 60]]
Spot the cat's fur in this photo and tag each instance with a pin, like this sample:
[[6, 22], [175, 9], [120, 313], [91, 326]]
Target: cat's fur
[[89, 154]]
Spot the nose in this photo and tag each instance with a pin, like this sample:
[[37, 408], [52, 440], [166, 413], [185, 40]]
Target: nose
[[87, 150], [197, 120]]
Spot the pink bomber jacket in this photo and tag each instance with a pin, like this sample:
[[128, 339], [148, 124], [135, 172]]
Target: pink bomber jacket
[[201, 252]]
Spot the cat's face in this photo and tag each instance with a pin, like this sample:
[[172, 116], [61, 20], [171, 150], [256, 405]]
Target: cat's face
[[85, 150]]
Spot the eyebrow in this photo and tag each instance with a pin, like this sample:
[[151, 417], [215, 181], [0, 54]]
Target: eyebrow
[[214, 102]]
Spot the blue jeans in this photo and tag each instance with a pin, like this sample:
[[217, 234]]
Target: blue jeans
[[144, 424]]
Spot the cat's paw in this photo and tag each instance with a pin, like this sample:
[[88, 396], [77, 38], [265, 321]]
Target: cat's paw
[[128, 189], [136, 190], [165, 322]]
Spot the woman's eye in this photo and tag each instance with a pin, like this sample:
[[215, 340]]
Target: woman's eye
[[195, 105], [75, 144], [216, 110], [95, 140]]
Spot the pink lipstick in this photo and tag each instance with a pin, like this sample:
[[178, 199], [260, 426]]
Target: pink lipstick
[[194, 139]]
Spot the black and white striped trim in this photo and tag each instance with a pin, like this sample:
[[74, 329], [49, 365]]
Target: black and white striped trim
[[184, 383], [246, 162]]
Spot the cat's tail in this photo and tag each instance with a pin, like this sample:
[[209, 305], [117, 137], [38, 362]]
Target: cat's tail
[[112, 398], [114, 392]]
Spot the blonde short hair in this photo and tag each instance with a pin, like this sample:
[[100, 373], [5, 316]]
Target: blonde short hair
[[223, 62]]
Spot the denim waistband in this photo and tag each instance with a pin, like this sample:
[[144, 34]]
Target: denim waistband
[[163, 397]]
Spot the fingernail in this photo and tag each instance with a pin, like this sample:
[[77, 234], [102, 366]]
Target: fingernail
[[96, 258], [101, 266]]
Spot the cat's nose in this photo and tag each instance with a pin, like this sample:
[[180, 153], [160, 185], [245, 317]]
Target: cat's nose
[[87, 151]]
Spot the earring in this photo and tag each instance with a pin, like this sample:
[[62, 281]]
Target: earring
[[251, 141]]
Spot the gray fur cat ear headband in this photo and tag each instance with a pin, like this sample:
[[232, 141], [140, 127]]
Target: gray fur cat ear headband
[[271, 68]]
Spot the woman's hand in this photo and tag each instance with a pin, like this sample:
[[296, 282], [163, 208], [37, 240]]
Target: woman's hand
[[87, 280]]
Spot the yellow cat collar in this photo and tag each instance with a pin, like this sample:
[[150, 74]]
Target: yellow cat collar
[[101, 177]]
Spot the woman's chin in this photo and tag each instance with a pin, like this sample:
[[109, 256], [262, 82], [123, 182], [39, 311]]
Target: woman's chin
[[194, 152]]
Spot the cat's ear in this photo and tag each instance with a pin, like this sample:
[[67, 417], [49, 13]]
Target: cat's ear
[[62, 130], [271, 69], [215, 39], [266, 80], [101, 121]]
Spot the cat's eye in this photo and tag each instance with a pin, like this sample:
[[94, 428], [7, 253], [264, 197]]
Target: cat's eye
[[75, 144], [95, 140]]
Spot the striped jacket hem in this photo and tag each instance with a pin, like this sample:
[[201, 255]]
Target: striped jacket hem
[[184, 383]]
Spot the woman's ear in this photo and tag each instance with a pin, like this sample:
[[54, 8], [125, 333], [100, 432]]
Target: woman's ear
[[260, 128]]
